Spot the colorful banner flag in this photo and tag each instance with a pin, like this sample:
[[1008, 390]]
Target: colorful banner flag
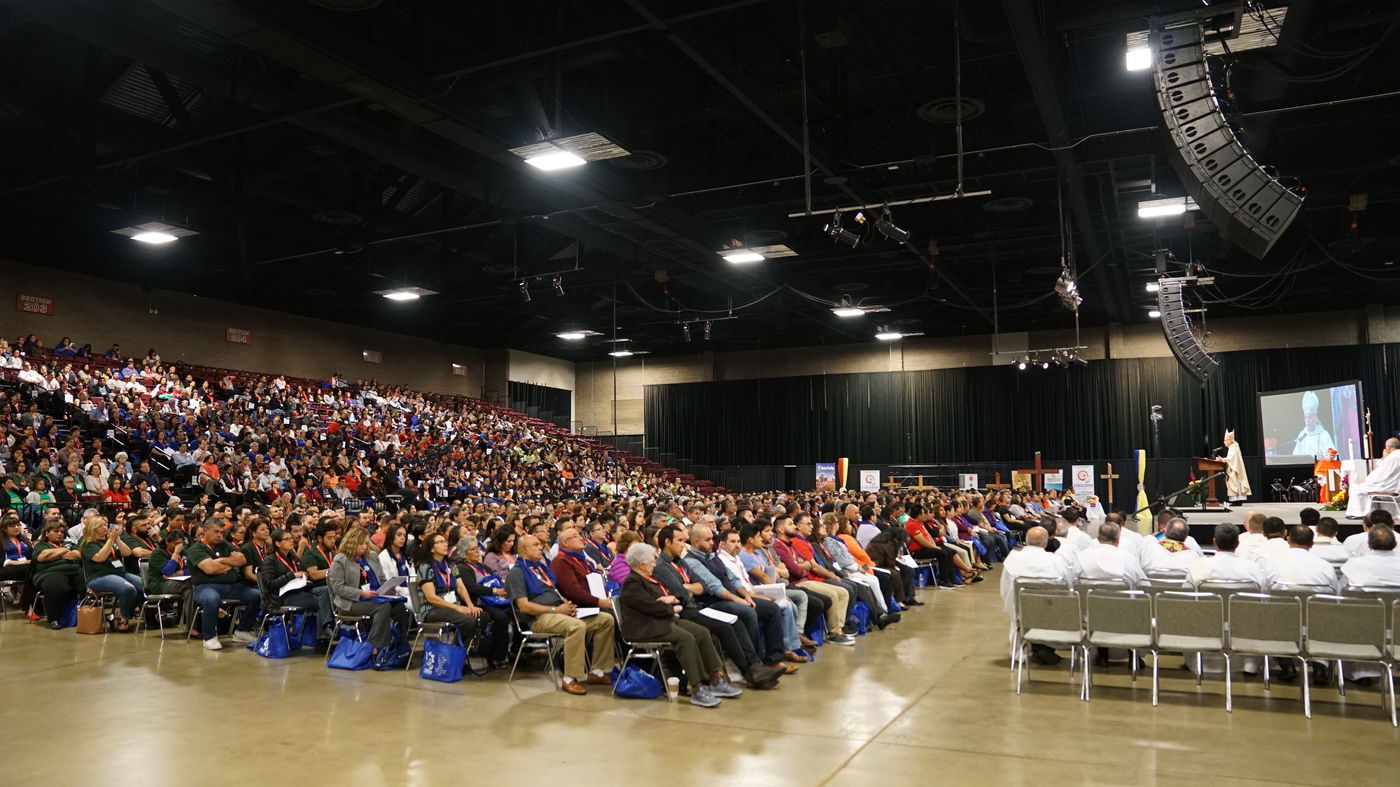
[[826, 477], [1144, 518], [843, 466]]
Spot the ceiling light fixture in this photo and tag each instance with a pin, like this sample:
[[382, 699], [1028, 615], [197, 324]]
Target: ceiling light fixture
[[559, 286], [524, 291], [1023, 363], [1154, 314], [739, 256], [621, 353], [1139, 58], [707, 330], [848, 311], [685, 331], [839, 235], [1153, 286], [569, 152], [1170, 206], [155, 233], [572, 336], [1068, 290], [404, 293], [1045, 364], [887, 335]]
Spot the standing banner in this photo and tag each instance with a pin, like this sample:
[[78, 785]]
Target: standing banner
[[870, 480], [1083, 479], [843, 466], [826, 476], [1144, 517], [1055, 479], [967, 480]]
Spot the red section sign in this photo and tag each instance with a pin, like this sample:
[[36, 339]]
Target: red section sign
[[237, 336], [34, 304]]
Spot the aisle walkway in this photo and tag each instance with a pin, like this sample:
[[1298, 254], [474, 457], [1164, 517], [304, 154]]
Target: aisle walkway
[[927, 701]]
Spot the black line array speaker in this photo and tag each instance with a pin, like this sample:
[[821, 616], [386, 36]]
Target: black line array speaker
[[1189, 351], [1251, 208]]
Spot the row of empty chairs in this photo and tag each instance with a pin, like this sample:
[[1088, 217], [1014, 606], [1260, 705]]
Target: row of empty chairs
[[1229, 619]]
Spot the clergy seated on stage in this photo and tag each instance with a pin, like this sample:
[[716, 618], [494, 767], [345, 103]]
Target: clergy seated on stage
[[1325, 543], [1384, 478], [1358, 544], [1173, 552], [1380, 566], [1226, 566], [1032, 562], [1107, 560]]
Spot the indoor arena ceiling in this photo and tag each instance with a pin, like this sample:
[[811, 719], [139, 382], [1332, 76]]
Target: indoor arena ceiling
[[325, 151]]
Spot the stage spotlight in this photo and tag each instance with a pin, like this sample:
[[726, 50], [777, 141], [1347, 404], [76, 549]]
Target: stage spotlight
[[707, 330], [559, 286], [685, 331], [524, 291], [886, 226], [1021, 364], [1078, 360], [1068, 291], [839, 235]]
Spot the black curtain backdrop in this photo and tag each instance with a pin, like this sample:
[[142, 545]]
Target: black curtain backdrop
[[552, 404], [998, 413]]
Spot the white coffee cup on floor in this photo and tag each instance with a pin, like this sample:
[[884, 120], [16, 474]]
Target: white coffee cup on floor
[[673, 688]]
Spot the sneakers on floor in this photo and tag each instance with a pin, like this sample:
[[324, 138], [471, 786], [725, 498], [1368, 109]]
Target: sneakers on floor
[[840, 639], [723, 689], [243, 636], [703, 697], [213, 643]]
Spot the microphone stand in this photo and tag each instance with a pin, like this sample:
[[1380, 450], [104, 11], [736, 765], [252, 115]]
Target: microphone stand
[[1163, 499]]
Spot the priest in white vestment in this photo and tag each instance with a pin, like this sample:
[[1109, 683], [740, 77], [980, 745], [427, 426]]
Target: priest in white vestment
[[1314, 440], [1385, 478], [1030, 561]]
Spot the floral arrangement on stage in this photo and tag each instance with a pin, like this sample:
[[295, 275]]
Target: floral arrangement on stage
[[1197, 490], [1338, 501]]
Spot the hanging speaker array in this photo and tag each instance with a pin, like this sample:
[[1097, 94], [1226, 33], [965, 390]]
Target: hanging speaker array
[[1176, 324], [1251, 208]]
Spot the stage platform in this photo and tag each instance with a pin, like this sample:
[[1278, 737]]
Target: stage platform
[[1203, 522]]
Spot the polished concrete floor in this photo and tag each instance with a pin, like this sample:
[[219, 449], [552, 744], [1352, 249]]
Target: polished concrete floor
[[929, 700]]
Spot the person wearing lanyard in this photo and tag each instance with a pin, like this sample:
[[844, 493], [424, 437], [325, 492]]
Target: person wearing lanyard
[[572, 566], [532, 588], [102, 550], [143, 539], [352, 586], [168, 560], [280, 567], [652, 614], [597, 546], [488, 592], [215, 568], [316, 559], [58, 572], [393, 560], [763, 568], [445, 596], [257, 547], [18, 555]]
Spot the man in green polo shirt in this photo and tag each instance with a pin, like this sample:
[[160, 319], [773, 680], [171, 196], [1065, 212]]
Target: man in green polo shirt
[[214, 571]]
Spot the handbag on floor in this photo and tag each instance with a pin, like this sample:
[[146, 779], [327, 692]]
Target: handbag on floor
[[351, 654], [90, 615], [636, 683], [273, 642]]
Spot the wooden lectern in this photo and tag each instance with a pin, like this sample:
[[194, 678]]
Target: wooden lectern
[[1204, 469]]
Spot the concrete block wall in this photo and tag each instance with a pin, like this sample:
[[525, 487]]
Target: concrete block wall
[[190, 328]]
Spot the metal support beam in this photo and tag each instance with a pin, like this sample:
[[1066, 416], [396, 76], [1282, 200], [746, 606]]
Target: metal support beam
[[1029, 31]]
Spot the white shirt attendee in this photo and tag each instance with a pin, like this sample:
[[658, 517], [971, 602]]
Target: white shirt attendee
[[1378, 568], [1030, 560], [1172, 553], [1299, 566], [1384, 478], [1107, 559], [1326, 546]]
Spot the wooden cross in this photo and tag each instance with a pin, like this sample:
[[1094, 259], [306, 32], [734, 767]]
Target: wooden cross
[[1110, 478], [1038, 474], [998, 484]]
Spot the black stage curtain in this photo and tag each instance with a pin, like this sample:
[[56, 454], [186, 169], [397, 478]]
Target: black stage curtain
[[554, 405], [993, 413]]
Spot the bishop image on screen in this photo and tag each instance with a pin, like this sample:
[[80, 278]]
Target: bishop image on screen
[[1314, 439]]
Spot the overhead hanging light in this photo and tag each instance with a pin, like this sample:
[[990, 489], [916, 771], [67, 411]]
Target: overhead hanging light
[[569, 152], [887, 335], [1153, 286], [739, 256], [559, 286], [1138, 58], [839, 235], [621, 353], [685, 331], [405, 293], [1023, 363], [524, 291], [571, 336], [155, 233], [1068, 290], [1169, 206], [1154, 314], [707, 330], [848, 311], [885, 226]]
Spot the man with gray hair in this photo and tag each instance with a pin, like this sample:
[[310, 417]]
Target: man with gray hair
[[1384, 478], [1031, 562], [1380, 566]]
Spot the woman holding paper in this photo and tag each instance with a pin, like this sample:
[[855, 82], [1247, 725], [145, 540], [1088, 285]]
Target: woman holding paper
[[353, 592], [445, 596], [287, 583]]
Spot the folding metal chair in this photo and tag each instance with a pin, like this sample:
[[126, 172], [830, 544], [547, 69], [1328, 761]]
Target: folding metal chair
[[1116, 619], [1050, 616], [1188, 622], [536, 641], [1269, 625], [1353, 628], [641, 649]]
